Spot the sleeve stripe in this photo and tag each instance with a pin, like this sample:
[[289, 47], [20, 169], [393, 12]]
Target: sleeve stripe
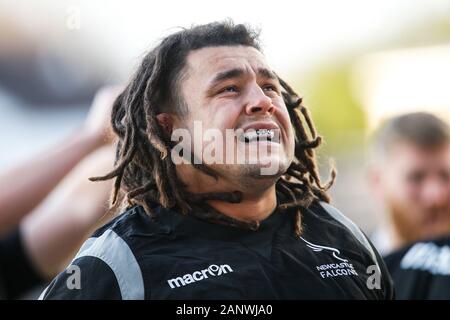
[[115, 252], [41, 297], [85, 245]]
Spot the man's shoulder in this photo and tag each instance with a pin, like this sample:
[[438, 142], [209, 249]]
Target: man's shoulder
[[108, 262], [133, 233], [422, 270], [414, 255], [330, 213], [133, 221], [336, 217], [124, 222]]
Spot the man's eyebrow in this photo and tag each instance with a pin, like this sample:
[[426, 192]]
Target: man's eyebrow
[[266, 73], [226, 75], [237, 72]]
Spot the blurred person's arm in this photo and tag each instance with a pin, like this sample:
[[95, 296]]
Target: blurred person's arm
[[57, 227], [24, 186]]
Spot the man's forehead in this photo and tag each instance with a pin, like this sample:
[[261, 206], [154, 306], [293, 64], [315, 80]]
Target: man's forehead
[[407, 152], [213, 60]]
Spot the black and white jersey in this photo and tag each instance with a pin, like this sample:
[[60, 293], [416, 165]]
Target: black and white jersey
[[422, 270], [174, 256]]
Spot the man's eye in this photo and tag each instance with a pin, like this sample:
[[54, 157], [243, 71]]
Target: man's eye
[[229, 89], [416, 177], [269, 88], [445, 176]]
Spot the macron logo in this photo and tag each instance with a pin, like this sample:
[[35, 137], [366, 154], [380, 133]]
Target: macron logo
[[212, 271]]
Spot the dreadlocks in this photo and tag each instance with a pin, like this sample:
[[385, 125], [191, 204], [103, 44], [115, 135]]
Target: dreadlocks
[[144, 171]]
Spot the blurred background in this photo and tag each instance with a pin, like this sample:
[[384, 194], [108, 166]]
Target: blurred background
[[355, 63]]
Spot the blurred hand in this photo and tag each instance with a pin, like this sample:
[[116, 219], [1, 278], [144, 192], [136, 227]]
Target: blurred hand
[[98, 121]]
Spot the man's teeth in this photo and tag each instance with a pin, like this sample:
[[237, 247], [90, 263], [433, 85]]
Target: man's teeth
[[260, 134]]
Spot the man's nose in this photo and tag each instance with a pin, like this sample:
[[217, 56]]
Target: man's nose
[[258, 102]]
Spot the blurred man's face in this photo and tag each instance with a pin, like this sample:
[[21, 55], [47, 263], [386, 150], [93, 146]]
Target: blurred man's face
[[415, 184], [233, 88]]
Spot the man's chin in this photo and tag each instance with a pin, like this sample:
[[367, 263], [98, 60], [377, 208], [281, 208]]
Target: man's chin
[[269, 167], [436, 230], [416, 230]]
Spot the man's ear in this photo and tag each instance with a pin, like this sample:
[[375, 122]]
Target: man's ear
[[166, 122]]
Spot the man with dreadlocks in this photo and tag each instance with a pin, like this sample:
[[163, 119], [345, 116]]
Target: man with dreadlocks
[[212, 230]]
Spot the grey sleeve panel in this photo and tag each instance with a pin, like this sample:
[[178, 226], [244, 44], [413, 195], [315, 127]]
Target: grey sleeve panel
[[41, 297], [115, 252], [87, 278], [353, 228]]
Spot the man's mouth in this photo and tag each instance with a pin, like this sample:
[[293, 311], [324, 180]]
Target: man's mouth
[[257, 135]]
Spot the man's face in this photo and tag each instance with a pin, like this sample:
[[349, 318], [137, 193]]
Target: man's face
[[415, 184], [231, 88]]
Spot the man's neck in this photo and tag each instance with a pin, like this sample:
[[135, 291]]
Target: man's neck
[[251, 208], [396, 240], [258, 201]]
